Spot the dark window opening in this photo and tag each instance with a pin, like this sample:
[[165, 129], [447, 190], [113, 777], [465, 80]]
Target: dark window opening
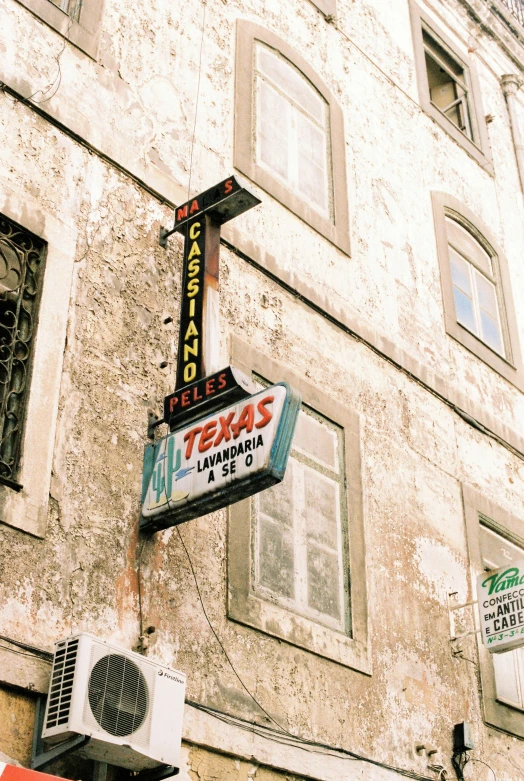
[[21, 267], [448, 89]]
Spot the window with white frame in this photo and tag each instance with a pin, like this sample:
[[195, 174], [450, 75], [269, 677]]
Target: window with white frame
[[300, 539], [474, 287], [497, 551], [479, 312], [447, 83], [292, 128], [292, 548], [289, 132]]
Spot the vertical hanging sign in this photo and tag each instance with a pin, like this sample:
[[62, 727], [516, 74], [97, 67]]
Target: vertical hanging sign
[[225, 444], [200, 259], [199, 221]]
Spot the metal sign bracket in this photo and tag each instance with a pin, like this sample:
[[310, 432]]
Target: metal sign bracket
[[452, 607]]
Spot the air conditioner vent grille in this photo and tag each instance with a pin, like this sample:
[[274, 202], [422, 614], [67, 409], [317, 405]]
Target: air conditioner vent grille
[[118, 695], [61, 688]]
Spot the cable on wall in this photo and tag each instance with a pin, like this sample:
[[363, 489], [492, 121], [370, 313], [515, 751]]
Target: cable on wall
[[58, 78], [217, 638], [31, 649], [312, 746]]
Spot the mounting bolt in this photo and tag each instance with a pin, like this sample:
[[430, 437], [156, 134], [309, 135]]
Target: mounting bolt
[[162, 238], [419, 748]]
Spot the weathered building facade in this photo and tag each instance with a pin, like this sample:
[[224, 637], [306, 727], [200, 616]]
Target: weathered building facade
[[382, 276]]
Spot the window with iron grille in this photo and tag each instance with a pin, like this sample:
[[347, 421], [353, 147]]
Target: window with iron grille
[[22, 258]]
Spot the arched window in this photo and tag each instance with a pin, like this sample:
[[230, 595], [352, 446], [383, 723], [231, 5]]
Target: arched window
[[478, 305], [289, 135], [292, 129], [474, 286]]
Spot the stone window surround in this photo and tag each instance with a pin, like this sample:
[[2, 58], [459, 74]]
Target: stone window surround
[[511, 367], [327, 7], [27, 509], [337, 231], [480, 148], [497, 714], [84, 34], [249, 609]]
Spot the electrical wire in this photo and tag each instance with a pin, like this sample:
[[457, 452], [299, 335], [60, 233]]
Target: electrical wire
[[34, 651], [139, 588], [282, 736], [288, 739], [472, 759], [18, 653], [204, 4], [58, 76], [220, 642]]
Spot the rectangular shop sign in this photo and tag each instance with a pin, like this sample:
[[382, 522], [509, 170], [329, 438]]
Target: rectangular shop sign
[[219, 459], [501, 607]]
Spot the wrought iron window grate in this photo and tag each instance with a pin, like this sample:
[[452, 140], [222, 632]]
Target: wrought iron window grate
[[21, 271], [516, 7]]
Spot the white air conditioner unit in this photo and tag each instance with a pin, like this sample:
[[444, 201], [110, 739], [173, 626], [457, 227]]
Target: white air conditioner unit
[[131, 707]]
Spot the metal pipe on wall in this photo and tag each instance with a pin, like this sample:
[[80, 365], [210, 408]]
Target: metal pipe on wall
[[511, 84]]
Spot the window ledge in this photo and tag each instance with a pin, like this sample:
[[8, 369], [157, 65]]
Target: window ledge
[[244, 605], [84, 34]]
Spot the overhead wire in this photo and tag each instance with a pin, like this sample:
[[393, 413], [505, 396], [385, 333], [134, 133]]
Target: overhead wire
[[257, 703], [34, 650], [313, 746], [72, 18], [481, 761]]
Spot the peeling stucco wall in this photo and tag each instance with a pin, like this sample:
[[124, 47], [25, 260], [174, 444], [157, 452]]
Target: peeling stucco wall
[[136, 105]]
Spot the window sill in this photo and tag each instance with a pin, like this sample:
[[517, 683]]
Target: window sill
[[10, 484], [84, 34], [458, 136], [247, 608], [501, 365], [244, 605]]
